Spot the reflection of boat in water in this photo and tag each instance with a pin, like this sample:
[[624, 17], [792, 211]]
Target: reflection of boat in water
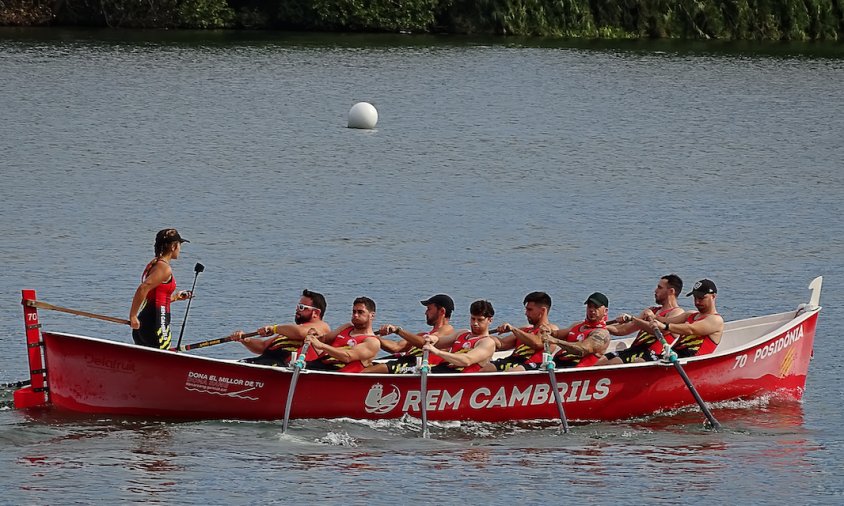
[[762, 356]]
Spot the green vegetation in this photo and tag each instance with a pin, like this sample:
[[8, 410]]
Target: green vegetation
[[682, 19]]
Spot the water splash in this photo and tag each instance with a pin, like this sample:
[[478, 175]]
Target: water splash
[[338, 439]]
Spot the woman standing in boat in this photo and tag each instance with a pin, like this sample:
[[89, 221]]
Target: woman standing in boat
[[149, 316]]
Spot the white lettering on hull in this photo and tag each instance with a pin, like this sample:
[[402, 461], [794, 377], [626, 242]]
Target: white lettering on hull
[[791, 337], [484, 398], [220, 385]]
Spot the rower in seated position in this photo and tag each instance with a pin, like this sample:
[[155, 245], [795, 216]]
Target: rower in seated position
[[438, 310], [525, 342], [699, 332], [646, 347], [352, 346], [278, 342], [470, 351], [579, 353], [596, 319]]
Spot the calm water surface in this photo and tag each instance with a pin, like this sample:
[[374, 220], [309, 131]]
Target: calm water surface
[[496, 169]]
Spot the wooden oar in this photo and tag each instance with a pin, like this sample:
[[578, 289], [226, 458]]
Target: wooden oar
[[211, 342], [548, 364], [423, 392], [298, 365], [672, 357], [197, 269], [43, 305]]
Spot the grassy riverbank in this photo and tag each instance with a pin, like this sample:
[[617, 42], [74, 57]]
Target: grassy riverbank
[[682, 19]]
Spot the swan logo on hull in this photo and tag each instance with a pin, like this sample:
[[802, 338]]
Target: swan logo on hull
[[482, 397]]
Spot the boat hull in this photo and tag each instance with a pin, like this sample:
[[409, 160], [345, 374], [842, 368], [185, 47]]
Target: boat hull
[[90, 375]]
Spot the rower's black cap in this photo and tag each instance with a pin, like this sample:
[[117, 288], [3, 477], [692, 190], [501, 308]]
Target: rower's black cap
[[169, 235], [442, 300], [703, 287], [599, 299]]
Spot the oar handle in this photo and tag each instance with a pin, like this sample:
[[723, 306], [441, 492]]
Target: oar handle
[[299, 363], [211, 342], [43, 305]]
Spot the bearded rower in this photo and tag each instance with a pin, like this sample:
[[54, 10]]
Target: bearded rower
[[596, 318], [646, 347], [278, 342], [699, 332], [438, 310]]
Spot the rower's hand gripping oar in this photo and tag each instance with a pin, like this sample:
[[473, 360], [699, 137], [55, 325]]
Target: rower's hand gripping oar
[[212, 342], [197, 269], [298, 365], [548, 364], [423, 392], [671, 357]]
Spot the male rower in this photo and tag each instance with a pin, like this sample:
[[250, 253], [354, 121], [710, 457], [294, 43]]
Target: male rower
[[470, 351], [278, 342], [699, 332], [646, 347], [438, 311], [525, 342], [349, 348], [587, 351], [596, 318]]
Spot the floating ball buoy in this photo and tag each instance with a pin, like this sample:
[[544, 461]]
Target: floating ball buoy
[[363, 115]]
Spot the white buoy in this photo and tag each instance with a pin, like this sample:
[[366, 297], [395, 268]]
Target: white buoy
[[363, 115]]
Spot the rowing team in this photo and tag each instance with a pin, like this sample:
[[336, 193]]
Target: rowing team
[[352, 347]]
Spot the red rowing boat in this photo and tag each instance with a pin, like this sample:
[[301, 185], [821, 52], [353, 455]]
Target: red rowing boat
[[757, 356]]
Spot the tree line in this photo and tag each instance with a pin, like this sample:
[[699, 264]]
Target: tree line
[[682, 19]]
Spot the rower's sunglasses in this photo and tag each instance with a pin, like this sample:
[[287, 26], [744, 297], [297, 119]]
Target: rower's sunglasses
[[302, 307]]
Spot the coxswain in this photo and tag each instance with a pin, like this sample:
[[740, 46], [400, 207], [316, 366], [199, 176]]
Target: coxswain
[[149, 315]]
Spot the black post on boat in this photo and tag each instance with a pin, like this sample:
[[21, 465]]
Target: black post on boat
[[197, 269], [672, 357]]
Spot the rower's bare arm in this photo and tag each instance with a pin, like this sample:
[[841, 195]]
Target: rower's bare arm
[[290, 330], [712, 325], [413, 339], [364, 351], [445, 341], [256, 345], [508, 342], [394, 347], [561, 333], [482, 352], [622, 329], [329, 337]]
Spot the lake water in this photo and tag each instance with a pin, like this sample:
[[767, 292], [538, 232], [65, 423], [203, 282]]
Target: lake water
[[498, 167]]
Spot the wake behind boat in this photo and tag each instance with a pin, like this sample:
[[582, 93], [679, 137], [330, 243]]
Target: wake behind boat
[[756, 357]]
